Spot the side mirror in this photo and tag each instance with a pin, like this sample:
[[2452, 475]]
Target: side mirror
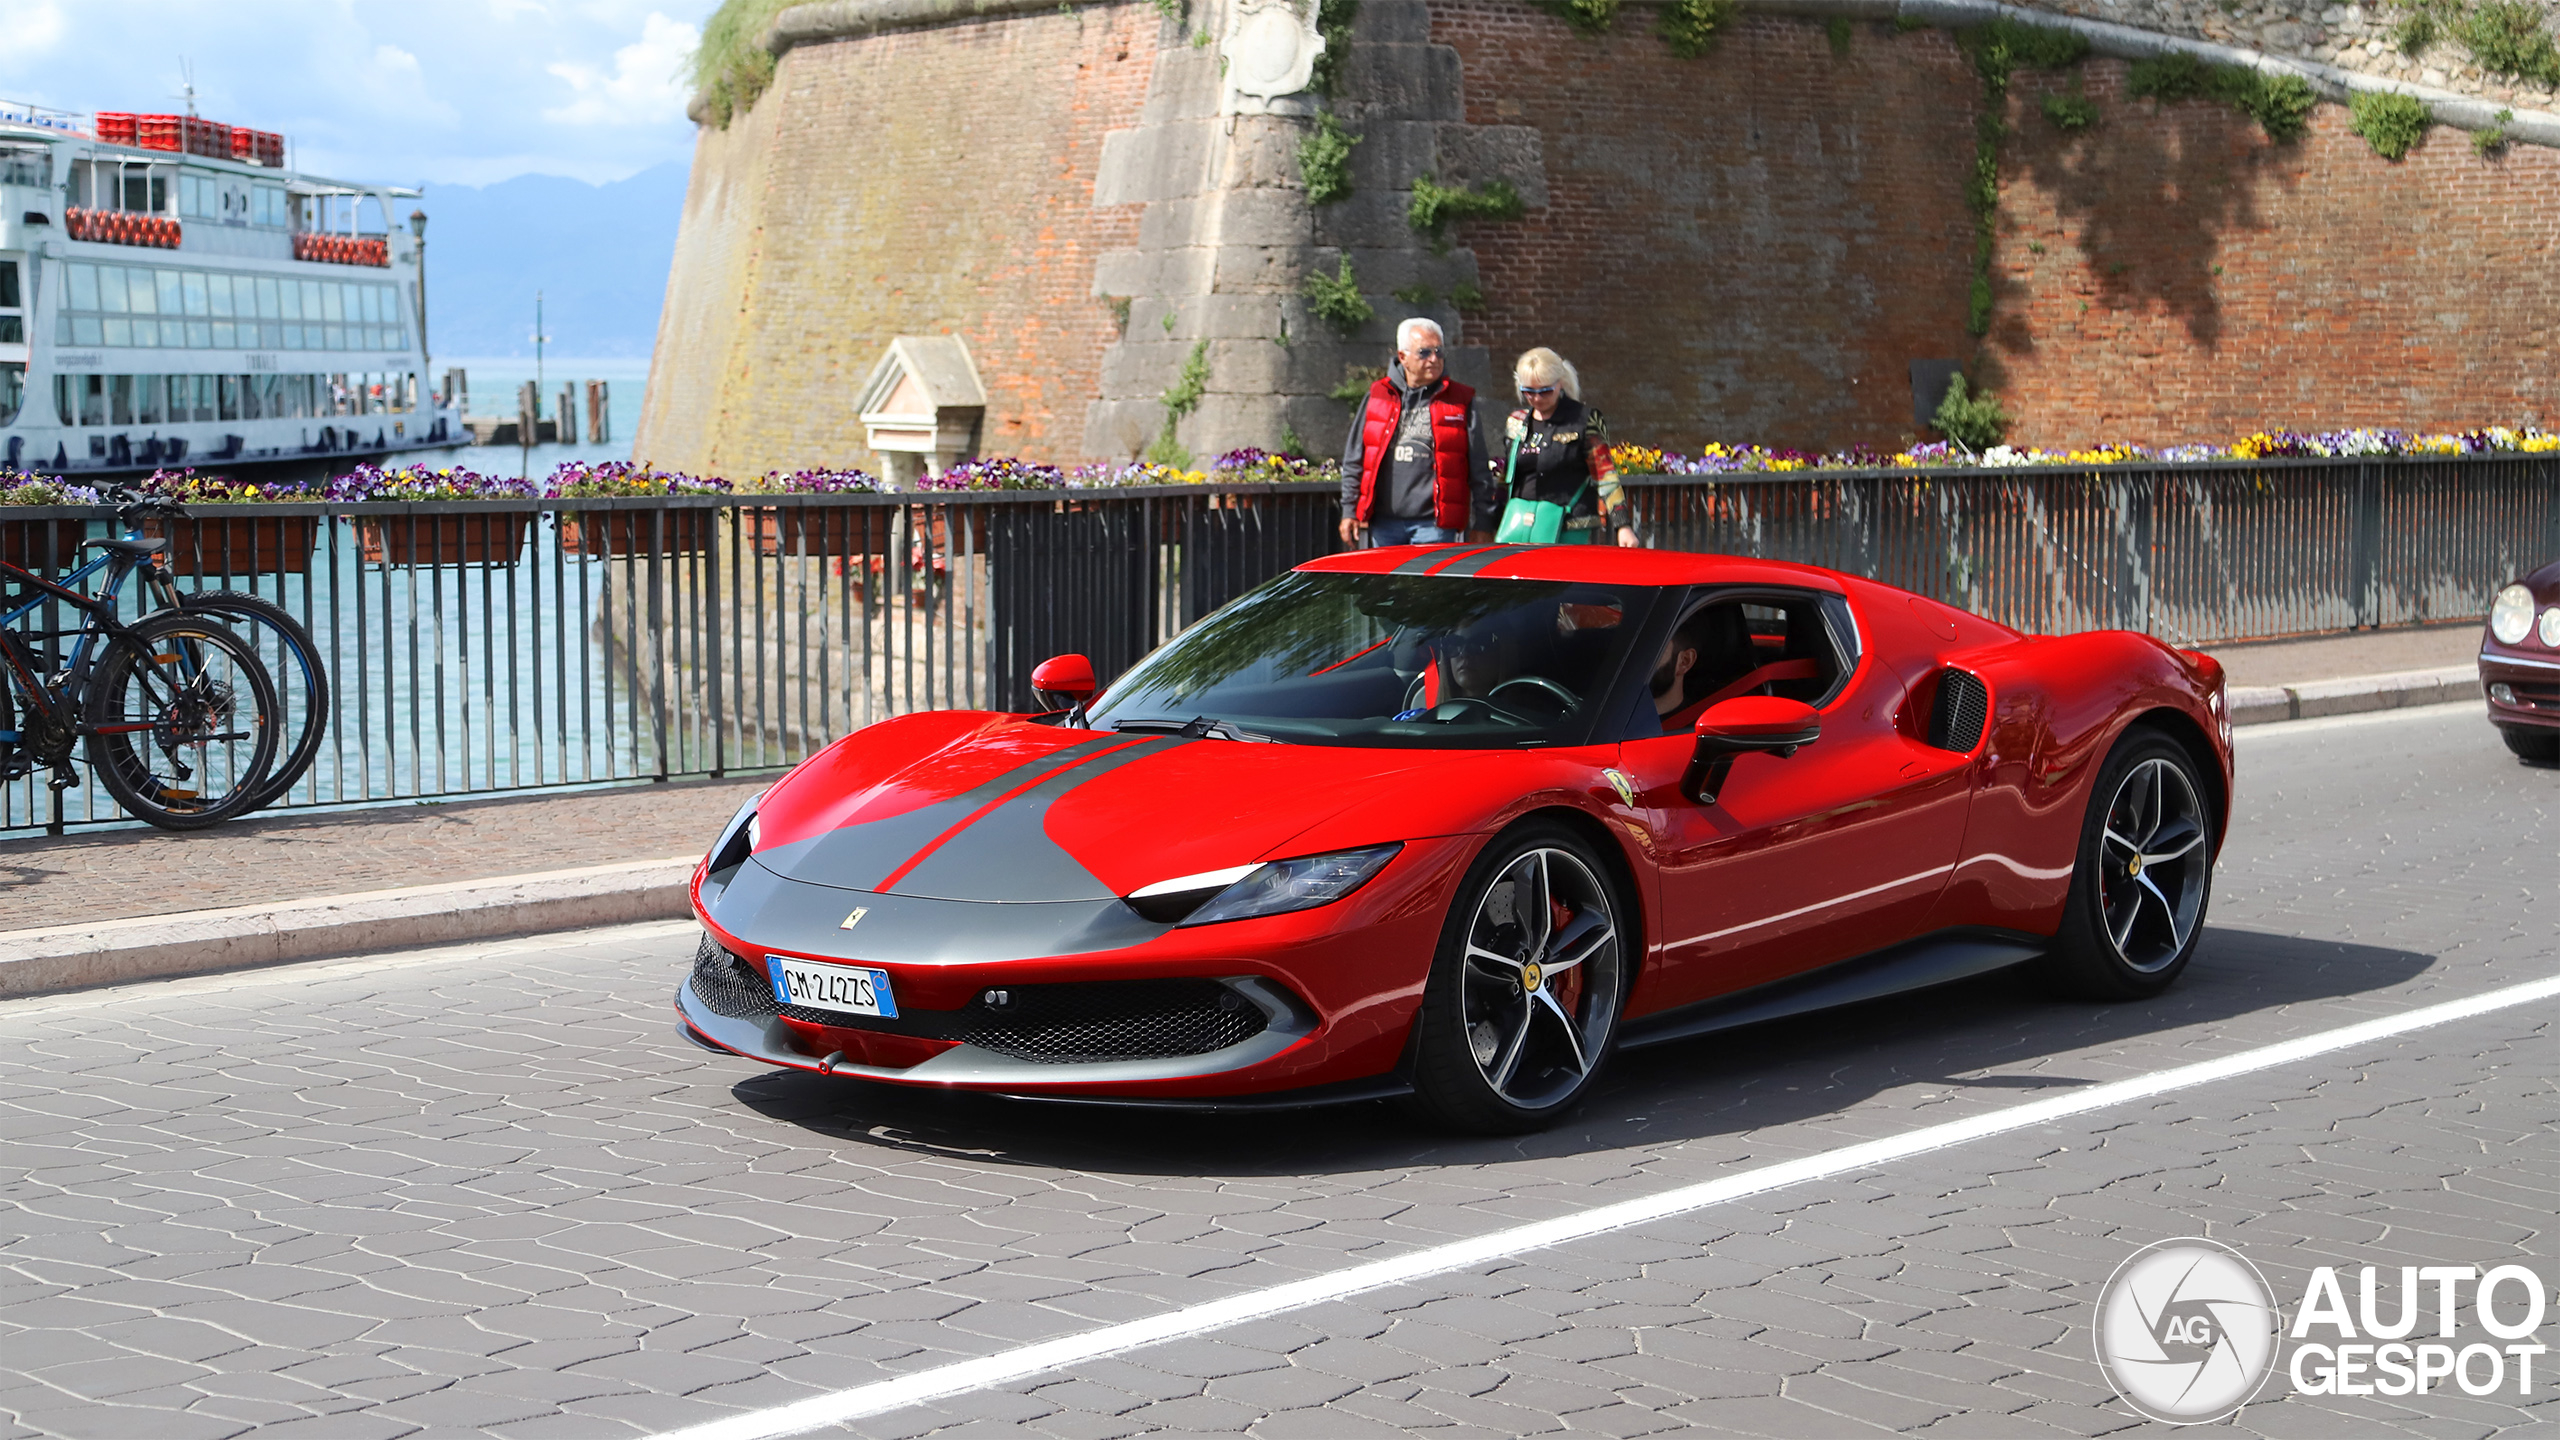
[[1740, 726], [1063, 681]]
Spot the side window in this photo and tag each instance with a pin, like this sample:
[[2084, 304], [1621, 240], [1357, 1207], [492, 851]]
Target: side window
[[1757, 642]]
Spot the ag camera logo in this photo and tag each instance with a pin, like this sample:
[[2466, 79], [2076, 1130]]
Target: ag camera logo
[[2187, 1331]]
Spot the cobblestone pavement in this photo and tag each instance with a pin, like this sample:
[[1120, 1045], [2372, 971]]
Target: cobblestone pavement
[[112, 874], [487, 1189]]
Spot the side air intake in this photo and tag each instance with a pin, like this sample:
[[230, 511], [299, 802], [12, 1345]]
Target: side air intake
[[1963, 705]]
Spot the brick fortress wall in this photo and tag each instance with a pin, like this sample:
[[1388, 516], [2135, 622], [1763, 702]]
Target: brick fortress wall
[[1752, 247], [920, 181], [1748, 247]]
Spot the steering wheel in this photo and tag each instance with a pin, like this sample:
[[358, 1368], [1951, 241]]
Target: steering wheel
[[1570, 701]]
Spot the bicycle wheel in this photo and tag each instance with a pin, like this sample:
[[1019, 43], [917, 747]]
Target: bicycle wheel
[[293, 662], [181, 722]]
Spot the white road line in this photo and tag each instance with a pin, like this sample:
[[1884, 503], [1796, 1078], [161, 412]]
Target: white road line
[[882, 1396]]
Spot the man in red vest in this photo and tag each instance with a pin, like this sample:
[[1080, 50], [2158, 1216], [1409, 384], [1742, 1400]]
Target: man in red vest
[[1413, 469]]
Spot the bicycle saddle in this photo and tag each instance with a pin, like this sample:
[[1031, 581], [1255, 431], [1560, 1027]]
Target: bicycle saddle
[[135, 548]]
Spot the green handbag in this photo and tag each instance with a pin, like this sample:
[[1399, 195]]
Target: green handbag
[[1531, 522]]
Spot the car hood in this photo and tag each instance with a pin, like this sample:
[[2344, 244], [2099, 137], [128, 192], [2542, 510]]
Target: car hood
[[991, 808]]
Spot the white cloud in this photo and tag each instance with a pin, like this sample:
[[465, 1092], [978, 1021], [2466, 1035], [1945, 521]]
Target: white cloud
[[32, 29], [646, 86]]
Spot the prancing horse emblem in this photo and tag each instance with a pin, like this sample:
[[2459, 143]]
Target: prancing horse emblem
[[855, 918], [1619, 782]]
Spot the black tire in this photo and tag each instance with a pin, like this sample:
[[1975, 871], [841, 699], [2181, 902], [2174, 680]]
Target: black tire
[[2128, 928], [301, 678], [1501, 1044], [2533, 746], [173, 736]]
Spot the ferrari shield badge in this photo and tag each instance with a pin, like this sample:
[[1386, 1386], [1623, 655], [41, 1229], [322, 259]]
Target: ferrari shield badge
[[855, 918], [1617, 779]]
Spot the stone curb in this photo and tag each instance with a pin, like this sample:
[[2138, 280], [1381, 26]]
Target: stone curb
[[151, 947], [2351, 694]]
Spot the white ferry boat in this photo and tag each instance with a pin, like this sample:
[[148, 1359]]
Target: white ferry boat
[[172, 293]]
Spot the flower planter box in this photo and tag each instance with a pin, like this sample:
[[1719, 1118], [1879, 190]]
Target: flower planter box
[[636, 532], [238, 544], [42, 544], [496, 538], [811, 530]]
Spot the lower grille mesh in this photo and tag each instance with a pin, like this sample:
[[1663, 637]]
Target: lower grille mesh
[[730, 986], [1122, 1020]]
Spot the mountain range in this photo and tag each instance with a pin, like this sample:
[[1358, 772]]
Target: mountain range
[[597, 253]]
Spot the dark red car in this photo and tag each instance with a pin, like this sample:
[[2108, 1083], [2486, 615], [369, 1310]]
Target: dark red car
[[2520, 665], [1412, 822]]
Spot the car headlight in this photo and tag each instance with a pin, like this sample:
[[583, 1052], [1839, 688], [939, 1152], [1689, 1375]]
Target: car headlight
[[2511, 615], [2551, 627], [1249, 891], [737, 838]]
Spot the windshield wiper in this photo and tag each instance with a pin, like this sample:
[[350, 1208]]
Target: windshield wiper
[[1196, 728]]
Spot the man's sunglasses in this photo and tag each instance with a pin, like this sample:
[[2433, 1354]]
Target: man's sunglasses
[[1427, 353]]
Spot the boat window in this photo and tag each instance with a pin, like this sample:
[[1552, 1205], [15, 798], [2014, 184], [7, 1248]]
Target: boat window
[[198, 308], [13, 391], [26, 165], [13, 320], [199, 196], [267, 206]]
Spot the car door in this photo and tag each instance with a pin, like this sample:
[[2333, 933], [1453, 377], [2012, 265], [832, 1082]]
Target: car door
[[1835, 851]]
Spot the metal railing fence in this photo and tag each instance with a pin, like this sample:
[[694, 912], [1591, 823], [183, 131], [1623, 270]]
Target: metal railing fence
[[488, 646]]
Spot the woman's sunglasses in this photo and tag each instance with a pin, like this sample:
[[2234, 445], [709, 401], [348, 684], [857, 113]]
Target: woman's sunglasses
[[1536, 390]]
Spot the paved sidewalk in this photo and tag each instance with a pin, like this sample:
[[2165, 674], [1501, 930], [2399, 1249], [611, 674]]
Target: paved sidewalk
[[116, 874], [2330, 657]]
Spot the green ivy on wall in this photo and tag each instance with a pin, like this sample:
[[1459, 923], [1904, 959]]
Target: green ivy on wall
[[1324, 160], [1690, 27], [1337, 300], [1436, 207], [2391, 124]]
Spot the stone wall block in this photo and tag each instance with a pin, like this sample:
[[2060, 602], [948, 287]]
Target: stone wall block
[[1420, 82], [1185, 85], [1391, 22], [1263, 153], [1156, 162], [1120, 429], [1392, 152], [1153, 272], [1264, 217], [1368, 219], [1476, 154]]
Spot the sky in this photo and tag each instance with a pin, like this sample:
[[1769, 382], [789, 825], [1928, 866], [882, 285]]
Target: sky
[[457, 92]]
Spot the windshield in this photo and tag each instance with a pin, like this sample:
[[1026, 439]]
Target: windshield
[[1389, 660]]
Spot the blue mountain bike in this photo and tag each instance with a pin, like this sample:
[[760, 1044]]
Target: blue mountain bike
[[177, 715]]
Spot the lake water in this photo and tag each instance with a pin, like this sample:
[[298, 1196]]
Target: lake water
[[493, 382]]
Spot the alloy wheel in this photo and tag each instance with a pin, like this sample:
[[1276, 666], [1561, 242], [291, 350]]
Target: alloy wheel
[[2152, 865], [1539, 987]]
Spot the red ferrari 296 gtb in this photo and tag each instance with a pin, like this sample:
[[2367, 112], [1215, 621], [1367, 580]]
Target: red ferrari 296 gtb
[[1458, 822]]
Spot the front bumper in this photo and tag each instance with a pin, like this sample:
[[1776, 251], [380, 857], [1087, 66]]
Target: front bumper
[[1330, 992], [774, 1041], [2530, 681]]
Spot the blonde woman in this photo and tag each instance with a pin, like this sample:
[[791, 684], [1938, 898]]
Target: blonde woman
[[1556, 451]]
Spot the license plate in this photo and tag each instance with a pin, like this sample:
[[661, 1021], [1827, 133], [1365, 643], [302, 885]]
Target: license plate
[[847, 988]]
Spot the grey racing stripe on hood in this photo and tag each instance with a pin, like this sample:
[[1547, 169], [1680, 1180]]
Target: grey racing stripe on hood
[[860, 855], [1008, 855]]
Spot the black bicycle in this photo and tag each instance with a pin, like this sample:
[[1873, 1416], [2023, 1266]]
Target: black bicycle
[[177, 714], [283, 646]]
